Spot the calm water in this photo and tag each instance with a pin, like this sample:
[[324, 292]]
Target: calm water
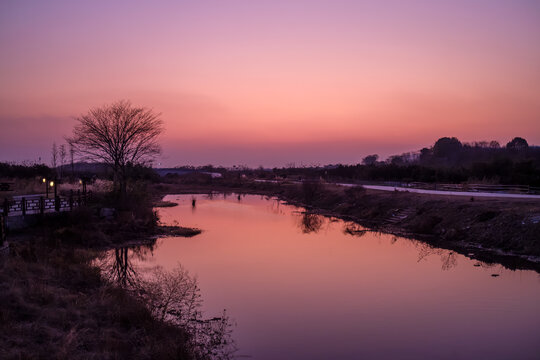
[[308, 287]]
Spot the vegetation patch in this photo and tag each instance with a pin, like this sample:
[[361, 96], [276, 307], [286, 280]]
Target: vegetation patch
[[164, 203], [56, 302], [164, 230]]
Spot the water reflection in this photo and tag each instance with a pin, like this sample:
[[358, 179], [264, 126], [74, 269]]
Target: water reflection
[[274, 205], [171, 296], [117, 265], [448, 257], [311, 223], [354, 229], [302, 286]]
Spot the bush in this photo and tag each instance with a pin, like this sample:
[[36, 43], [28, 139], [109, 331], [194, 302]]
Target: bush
[[311, 190]]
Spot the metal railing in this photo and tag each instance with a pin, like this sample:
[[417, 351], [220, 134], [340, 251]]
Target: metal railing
[[41, 205]]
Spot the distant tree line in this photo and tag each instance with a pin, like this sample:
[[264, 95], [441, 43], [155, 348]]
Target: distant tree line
[[10, 170], [448, 160]]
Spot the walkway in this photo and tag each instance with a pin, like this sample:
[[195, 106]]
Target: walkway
[[430, 192], [446, 193]]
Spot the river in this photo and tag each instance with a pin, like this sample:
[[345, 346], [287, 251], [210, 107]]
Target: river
[[300, 286]]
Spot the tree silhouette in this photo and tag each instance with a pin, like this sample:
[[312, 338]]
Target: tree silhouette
[[370, 159], [446, 147], [517, 143], [54, 156], [118, 135]]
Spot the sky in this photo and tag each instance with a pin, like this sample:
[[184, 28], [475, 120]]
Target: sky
[[273, 82]]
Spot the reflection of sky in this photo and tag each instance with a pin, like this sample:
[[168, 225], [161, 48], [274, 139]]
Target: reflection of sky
[[276, 81], [328, 294]]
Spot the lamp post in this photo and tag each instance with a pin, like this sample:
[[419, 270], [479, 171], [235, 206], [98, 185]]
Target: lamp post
[[44, 180], [82, 182], [53, 184]]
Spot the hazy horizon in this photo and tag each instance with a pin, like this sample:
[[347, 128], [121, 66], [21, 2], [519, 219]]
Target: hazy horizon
[[272, 83]]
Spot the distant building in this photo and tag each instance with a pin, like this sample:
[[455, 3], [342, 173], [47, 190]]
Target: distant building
[[179, 172]]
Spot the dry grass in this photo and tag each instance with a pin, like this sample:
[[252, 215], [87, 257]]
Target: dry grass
[[55, 305]]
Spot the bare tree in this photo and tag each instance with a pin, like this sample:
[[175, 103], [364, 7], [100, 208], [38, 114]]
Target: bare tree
[[71, 156], [174, 297], [62, 158], [54, 156], [118, 135]]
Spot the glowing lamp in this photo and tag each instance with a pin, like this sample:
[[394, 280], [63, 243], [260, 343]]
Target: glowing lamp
[[44, 180], [51, 184]]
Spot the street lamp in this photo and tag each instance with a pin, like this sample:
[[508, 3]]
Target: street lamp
[[44, 181], [48, 184], [53, 184], [82, 182]]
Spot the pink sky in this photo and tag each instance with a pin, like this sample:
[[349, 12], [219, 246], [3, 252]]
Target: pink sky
[[273, 82]]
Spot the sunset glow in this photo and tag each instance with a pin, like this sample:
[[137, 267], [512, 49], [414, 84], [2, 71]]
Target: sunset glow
[[273, 82]]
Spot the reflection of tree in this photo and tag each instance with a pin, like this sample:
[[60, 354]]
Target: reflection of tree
[[311, 223], [448, 257], [354, 229], [486, 265], [122, 270], [449, 260], [173, 297], [275, 205], [117, 266]]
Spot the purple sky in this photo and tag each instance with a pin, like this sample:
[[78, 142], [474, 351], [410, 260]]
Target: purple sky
[[273, 82]]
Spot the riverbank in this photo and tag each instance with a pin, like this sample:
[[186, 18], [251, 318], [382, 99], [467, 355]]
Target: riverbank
[[489, 229], [57, 304]]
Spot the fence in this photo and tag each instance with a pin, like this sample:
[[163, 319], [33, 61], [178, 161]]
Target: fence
[[40, 205]]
